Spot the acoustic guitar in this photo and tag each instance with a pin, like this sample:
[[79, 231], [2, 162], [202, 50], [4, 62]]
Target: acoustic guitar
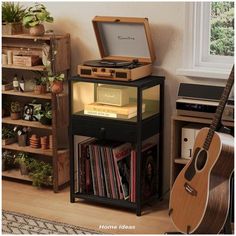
[[200, 197]]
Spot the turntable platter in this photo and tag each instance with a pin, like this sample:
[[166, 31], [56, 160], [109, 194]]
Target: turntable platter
[[107, 63]]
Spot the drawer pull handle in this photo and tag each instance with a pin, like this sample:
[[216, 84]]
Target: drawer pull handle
[[102, 132]]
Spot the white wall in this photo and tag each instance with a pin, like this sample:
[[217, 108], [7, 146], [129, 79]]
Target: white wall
[[167, 26]]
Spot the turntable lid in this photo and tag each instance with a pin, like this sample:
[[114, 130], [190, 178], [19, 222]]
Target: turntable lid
[[124, 38]]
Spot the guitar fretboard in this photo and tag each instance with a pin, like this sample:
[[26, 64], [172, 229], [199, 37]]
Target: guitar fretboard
[[219, 111]]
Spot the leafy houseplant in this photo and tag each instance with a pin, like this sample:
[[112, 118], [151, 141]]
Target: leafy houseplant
[[34, 18], [41, 85], [40, 172], [22, 159], [56, 82], [7, 160], [8, 136], [12, 15], [15, 111], [46, 114]]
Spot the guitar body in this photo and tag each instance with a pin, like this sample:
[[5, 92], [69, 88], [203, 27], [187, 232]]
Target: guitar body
[[199, 200]]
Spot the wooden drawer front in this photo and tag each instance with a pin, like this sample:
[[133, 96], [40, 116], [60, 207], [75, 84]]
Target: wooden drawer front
[[104, 129]]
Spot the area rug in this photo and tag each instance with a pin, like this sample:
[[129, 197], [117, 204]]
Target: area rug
[[17, 223]]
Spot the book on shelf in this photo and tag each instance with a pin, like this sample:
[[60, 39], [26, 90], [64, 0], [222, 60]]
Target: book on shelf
[[108, 168], [125, 112]]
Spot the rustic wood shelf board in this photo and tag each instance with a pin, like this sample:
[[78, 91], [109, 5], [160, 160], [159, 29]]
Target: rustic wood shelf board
[[28, 36], [28, 94], [34, 68], [34, 124], [15, 174], [16, 147]]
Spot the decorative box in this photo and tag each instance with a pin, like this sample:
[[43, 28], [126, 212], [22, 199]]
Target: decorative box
[[113, 95], [30, 60]]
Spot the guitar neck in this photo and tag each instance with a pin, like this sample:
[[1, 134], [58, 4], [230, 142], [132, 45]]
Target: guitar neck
[[219, 111]]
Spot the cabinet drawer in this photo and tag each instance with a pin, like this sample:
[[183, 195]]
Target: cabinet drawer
[[104, 129]]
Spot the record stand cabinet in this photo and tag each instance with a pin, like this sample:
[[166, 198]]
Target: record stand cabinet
[[19, 53], [146, 96]]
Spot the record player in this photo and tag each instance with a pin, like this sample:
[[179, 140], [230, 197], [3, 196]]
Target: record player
[[126, 49]]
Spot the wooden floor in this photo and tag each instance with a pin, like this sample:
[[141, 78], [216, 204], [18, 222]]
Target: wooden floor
[[44, 203]]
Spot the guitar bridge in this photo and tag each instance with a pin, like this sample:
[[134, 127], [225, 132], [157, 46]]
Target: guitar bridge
[[190, 189]]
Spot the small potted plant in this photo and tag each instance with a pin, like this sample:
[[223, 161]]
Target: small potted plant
[[34, 18], [41, 85], [56, 82], [8, 136], [12, 15], [46, 114], [15, 111], [22, 160], [41, 173], [8, 160], [22, 135]]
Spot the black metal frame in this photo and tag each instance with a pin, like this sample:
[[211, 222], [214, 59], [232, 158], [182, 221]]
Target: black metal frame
[[138, 131]]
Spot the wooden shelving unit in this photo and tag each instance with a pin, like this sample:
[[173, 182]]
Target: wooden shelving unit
[[177, 122], [60, 63]]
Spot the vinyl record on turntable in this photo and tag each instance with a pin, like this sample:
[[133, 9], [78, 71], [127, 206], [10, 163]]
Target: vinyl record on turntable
[[107, 63]]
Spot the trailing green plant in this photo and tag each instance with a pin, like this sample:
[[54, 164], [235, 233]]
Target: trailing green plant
[[56, 77], [22, 158], [32, 165], [40, 173], [36, 15], [8, 133], [15, 107], [12, 12]]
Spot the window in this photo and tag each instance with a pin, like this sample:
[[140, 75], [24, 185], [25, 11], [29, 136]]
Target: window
[[209, 40], [222, 29]]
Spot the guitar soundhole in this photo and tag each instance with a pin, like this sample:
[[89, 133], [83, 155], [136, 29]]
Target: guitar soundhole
[[201, 159]]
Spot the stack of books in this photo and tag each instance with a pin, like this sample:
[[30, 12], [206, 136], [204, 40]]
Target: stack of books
[[125, 112]]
